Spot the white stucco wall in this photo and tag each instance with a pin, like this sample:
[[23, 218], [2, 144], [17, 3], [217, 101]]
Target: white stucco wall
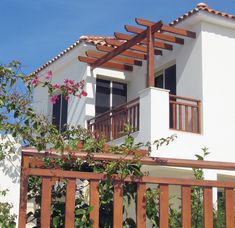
[[67, 67], [201, 65], [10, 173]]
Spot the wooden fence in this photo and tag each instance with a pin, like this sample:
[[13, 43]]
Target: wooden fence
[[48, 175]]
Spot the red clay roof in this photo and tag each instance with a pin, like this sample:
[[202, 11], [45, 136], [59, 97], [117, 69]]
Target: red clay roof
[[202, 7], [94, 40], [87, 39]]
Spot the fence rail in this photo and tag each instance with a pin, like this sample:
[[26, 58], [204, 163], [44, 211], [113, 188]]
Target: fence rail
[[111, 124], [185, 114], [50, 175]]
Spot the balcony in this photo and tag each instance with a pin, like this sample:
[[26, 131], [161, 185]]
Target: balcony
[[184, 114]]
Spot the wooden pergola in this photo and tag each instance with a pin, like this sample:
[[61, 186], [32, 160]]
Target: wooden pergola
[[127, 50]]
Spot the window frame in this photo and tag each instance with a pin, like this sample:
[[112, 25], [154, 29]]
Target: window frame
[[111, 81], [60, 127]]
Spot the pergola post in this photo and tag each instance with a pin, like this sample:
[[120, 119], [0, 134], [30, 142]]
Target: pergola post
[[150, 57]]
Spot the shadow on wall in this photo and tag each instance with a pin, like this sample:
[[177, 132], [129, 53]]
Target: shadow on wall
[[11, 165]]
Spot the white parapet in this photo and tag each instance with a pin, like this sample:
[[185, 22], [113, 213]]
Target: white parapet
[[154, 114]]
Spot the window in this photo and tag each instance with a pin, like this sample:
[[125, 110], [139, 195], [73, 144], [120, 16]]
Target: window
[[167, 79], [60, 112], [109, 94]]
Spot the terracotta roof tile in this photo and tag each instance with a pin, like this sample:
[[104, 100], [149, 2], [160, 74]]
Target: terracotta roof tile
[[202, 7], [94, 40]]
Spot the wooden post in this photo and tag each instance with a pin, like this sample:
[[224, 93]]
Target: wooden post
[[150, 58], [23, 192]]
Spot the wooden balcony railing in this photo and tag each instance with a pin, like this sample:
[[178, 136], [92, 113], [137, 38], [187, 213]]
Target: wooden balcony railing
[[185, 114], [49, 175], [111, 124]]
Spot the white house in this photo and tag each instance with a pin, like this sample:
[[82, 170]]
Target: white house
[[188, 100]]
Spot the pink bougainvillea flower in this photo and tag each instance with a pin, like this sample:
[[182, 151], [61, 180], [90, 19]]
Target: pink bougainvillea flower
[[35, 82], [78, 96], [66, 97], [49, 75], [76, 86], [56, 86], [66, 81], [84, 93], [71, 82], [53, 99]]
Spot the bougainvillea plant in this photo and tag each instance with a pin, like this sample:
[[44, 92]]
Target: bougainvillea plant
[[17, 116], [18, 119]]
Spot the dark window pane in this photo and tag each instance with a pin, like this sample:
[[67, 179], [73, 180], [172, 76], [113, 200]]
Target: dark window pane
[[159, 81], [119, 92], [64, 114], [170, 79], [102, 96], [56, 113]]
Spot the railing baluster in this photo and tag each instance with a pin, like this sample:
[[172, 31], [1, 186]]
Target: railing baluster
[[180, 117], [192, 119], [186, 206], [186, 118], [113, 122], [164, 205], [208, 207], [46, 202], [229, 207], [199, 116], [174, 115], [117, 205], [134, 118], [138, 117], [130, 119], [141, 206], [94, 202], [70, 203]]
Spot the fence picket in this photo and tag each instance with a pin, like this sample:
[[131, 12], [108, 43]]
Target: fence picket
[[46, 202], [141, 206], [117, 205], [94, 202], [164, 205], [70, 203]]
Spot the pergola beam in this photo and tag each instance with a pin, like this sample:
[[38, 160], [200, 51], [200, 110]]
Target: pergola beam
[[125, 46], [136, 47], [156, 44], [167, 28], [124, 60], [157, 35], [112, 65], [128, 53]]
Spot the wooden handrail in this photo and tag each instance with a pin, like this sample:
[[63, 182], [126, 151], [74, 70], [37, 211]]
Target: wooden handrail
[[184, 98], [145, 160]]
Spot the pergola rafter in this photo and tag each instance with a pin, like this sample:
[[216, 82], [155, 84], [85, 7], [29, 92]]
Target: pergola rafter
[[126, 50], [136, 55]]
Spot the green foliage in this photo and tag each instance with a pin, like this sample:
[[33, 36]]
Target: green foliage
[[7, 219], [18, 119]]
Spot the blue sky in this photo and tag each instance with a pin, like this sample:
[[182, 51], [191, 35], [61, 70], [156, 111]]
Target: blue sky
[[34, 31]]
